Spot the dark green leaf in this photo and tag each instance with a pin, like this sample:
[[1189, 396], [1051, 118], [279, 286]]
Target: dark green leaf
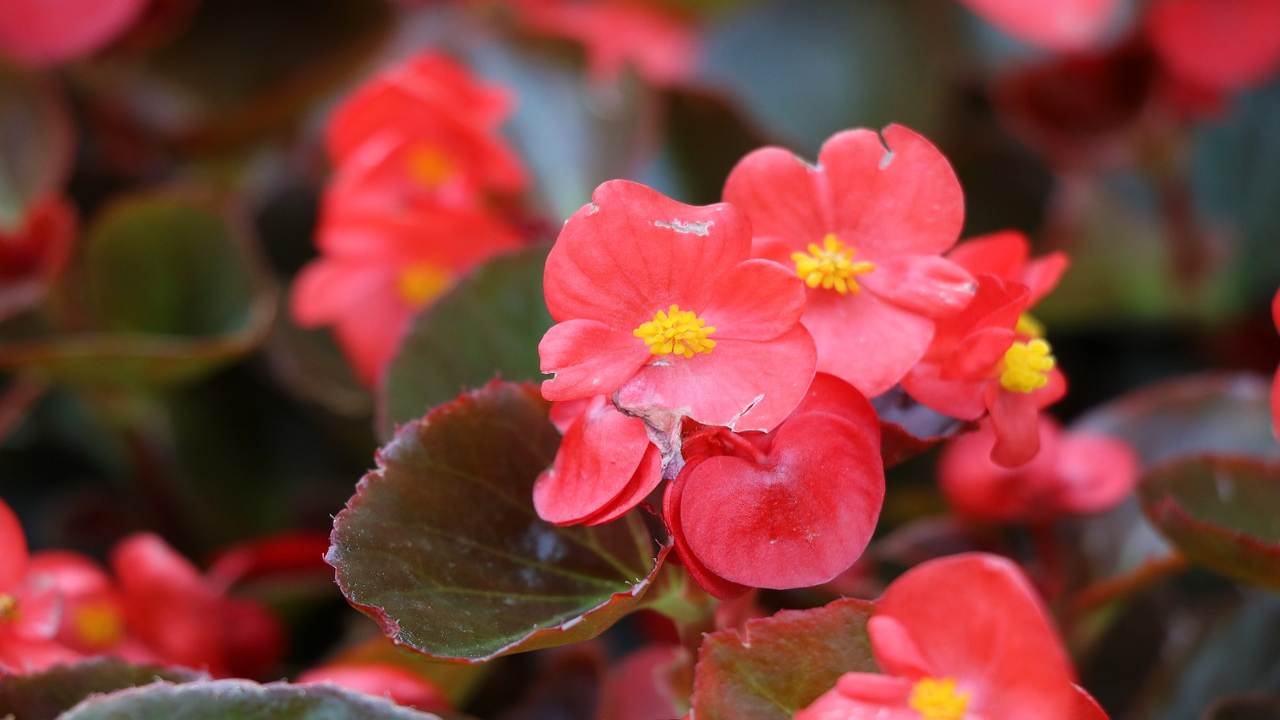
[[44, 695], [239, 700], [488, 325], [1222, 512], [775, 666], [441, 544], [169, 290]]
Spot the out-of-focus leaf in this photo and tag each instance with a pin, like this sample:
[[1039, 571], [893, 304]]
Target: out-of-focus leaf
[[441, 544], [169, 289], [908, 428], [708, 136], [488, 325], [772, 667], [239, 700], [1256, 707], [36, 143], [240, 70], [808, 68], [572, 134], [45, 695], [1221, 512]]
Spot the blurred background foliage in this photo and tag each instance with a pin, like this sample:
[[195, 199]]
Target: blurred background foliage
[[159, 385]]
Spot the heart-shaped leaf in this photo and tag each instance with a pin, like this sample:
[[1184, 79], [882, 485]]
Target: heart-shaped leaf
[[772, 667], [1222, 512], [36, 144], [488, 325], [239, 700], [169, 289], [442, 547], [45, 695]]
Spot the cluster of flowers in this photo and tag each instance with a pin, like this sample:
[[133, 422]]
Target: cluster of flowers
[[731, 348], [421, 173]]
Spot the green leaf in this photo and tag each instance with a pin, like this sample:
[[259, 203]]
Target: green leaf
[[239, 700], [441, 544], [488, 325], [169, 289], [1222, 512], [775, 666], [36, 143], [45, 695]]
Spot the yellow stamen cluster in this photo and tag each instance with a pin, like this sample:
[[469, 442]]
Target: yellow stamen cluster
[[98, 625], [830, 266], [676, 332], [8, 608], [429, 167], [419, 284], [1027, 366], [938, 699], [1029, 326]]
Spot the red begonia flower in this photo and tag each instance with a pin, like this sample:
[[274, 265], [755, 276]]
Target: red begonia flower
[[34, 253], [605, 466], [791, 508], [1052, 24], [426, 125], [638, 687], [288, 553], [1217, 44], [659, 304], [960, 638], [1074, 473], [377, 268], [660, 45], [1008, 255], [393, 682], [863, 229], [43, 32], [93, 614], [30, 607]]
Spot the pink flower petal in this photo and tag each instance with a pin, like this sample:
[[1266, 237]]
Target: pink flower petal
[[588, 358], [864, 340]]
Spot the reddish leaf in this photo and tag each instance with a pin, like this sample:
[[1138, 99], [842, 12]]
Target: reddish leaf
[[1222, 512], [908, 428], [775, 666], [442, 547], [238, 700]]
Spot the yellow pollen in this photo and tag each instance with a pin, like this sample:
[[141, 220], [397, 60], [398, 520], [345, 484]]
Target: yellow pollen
[[938, 699], [99, 625], [1027, 366], [1028, 326], [419, 284], [676, 332], [8, 608], [831, 266], [429, 167]]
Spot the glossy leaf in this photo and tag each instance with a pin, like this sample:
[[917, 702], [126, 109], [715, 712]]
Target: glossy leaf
[[772, 667], [442, 547], [489, 325], [36, 143], [45, 695], [169, 290], [1223, 513], [239, 700]]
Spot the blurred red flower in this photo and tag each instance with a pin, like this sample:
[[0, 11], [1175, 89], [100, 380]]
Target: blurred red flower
[[960, 638], [660, 302], [660, 45], [1074, 473], [1219, 45], [1052, 24], [393, 682], [33, 254], [30, 606], [44, 32], [794, 507], [867, 218]]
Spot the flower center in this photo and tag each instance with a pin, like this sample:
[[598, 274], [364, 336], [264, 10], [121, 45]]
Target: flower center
[[429, 167], [98, 625], [1029, 326], [8, 608], [1027, 366], [419, 284], [938, 699], [676, 332], [830, 266]]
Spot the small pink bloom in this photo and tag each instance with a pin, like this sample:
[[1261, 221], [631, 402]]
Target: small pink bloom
[[1053, 24], [1219, 45], [46, 32]]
